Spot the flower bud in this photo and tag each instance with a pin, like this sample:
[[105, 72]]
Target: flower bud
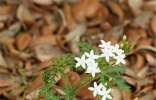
[[110, 79], [121, 45], [136, 98], [105, 84], [124, 37], [111, 91]]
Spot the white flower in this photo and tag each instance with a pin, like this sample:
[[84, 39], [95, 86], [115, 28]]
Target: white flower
[[105, 93], [96, 89], [81, 62], [92, 68], [120, 58], [107, 53], [104, 44], [91, 56], [117, 50]]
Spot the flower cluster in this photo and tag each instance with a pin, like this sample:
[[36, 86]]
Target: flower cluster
[[107, 52], [112, 51], [88, 62], [100, 90]]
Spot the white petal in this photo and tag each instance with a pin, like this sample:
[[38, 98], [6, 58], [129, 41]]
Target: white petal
[[109, 97], [104, 97], [94, 93], [91, 88], [123, 61]]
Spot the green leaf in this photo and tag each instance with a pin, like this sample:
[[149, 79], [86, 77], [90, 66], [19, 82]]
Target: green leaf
[[115, 69], [84, 46], [49, 76], [70, 94], [49, 94], [119, 81]]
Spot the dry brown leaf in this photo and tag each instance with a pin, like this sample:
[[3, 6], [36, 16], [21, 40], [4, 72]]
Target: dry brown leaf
[[151, 59], [143, 72], [149, 96], [142, 19], [43, 2], [4, 83], [68, 16], [153, 24], [3, 62], [116, 93], [32, 95], [135, 6], [45, 30], [92, 9], [149, 5], [24, 15], [139, 62], [5, 9], [126, 95], [116, 8], [13, 29], [3, 90], [46, 52], [85, 93], [36, 83], [42, 65], [74, 36], [22, 41]]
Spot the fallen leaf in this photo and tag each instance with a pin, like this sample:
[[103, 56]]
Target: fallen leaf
[[22, 41]]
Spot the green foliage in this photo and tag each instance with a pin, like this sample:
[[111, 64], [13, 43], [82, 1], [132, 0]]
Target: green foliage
[[61, 63], [49, 94], [115, 69], [70, 94], [119, 81], [126, 46], [84, 46]]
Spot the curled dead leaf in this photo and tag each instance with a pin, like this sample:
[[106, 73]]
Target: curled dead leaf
[[4, 83], [116, 8], [48, 40], [6, 9], [42, 65], [143, 72], [23, 41], [135, 6], [153, 24], [68, 16], [116, 93], [24, 15], [43, 3], [150, 59], [13, 29], [149, 5], [46, 52], [45, 30]]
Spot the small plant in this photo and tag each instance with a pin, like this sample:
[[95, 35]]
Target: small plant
[[96, 64]]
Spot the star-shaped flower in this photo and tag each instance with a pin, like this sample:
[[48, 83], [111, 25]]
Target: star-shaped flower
[[104, 44], [81, 61], [96, 89], [120, 58], [92, 68], [105, 93], [107, 53], [91, 56], [117, 50]]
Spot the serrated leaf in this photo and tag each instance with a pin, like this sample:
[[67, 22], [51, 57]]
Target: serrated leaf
[[49, 94], [119, 81], [84, 46], [115, 69], [70, 94]]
